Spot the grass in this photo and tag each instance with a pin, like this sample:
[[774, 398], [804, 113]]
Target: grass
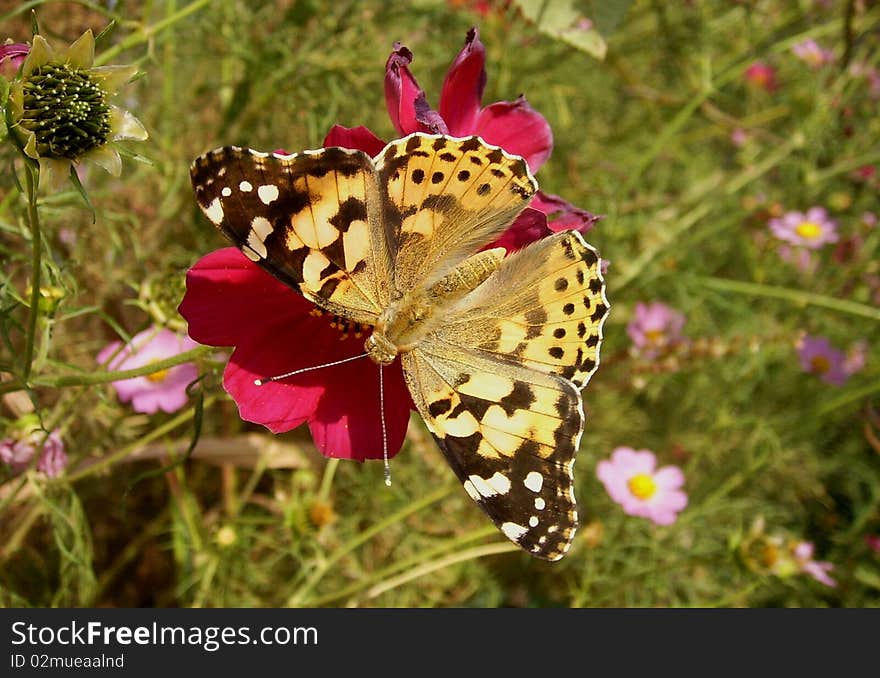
[[772, 455]]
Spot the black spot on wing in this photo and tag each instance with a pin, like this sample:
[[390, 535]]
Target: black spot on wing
[[353, 209], [520, 398]]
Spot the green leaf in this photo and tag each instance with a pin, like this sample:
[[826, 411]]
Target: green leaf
[[571, 22], [606, 15]]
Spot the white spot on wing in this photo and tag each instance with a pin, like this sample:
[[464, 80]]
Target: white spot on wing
[[245, 187], [256, 245], [262, 227], [513, 531], [533, 521], [226, 192], [471, 490], [540, 503], [215, 211], [534, 481], [482, 486], [500, 483], [268, 193]]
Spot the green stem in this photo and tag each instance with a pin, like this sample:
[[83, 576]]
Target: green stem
[[395, 568], [88, 379], [145, 34], [327, 479], [30, 174], [297, 598], [798, 296], [428, 568], [850, 397], [123, 452]]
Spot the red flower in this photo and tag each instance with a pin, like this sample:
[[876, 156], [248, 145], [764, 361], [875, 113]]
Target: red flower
[[230, 301], [515, 126]]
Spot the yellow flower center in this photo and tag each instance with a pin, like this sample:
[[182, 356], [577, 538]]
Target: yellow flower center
[[655, 336], [820, 364], [809, 230], [642, 486], [159, 376]]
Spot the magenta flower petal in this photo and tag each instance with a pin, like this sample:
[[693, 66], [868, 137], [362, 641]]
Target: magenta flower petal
[[231, 301], [224, 287], [401, 91], [518, 128], [463, 86], [562, 215], [359, 138], [12, 56], [347, 422], [530, 226]]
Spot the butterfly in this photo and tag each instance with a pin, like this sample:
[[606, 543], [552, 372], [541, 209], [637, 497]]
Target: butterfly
[[495, 349]]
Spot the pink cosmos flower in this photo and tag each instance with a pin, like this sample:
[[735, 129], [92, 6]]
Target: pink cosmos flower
[[812, 54], [18, 451], [818, 570], [515, 126], [164, 390], [819, 357], [873, 542], [655, 328], [12, 56], [811, 230], [631, 480], [739, 137], [230, 301], [763, 75]]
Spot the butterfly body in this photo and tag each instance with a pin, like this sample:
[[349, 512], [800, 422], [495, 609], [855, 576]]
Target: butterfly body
[[495, 349]]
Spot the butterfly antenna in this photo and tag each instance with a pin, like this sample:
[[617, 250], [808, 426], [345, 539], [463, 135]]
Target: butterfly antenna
[[278, 377], [384, 427]]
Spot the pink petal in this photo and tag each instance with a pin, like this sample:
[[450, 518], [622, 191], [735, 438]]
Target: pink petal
[[359, 138], [562, 215], [518, 129], [669, 478], [463, 86], [228, 298]]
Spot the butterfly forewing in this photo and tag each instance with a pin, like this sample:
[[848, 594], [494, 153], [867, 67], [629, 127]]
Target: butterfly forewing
[[445, 199], [313, 220]]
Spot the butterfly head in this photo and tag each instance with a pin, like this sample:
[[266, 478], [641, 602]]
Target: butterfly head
[[381, 350]]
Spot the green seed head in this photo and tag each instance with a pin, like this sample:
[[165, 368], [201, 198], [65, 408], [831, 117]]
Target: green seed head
[[66, 110]]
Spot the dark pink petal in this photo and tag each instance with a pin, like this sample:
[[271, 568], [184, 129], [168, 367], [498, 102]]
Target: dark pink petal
[[347, 422], [562, 215], [401, 91], [272, 349], [12, 56], [341, 403], [229, 298], [428, 119], [231, 301], [530, 226], [518, 128], [463, 87], [359, 138]]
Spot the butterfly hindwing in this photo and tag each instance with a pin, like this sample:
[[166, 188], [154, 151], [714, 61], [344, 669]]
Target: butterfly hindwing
[[544, 309], [313, 220], [445, 198], [510, 434]]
